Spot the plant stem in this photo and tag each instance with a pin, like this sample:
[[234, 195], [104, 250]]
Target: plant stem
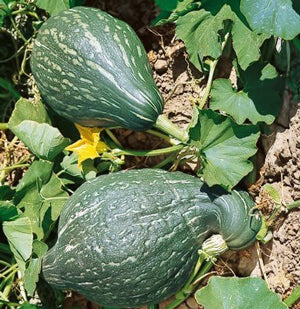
[[294, 297], [3, 126], [167, 160], [167, 126], [12, 167], [9, 303], [293, 205], [212, 67], [9, 270], [8, 287], [113, 138], [18, 30], [168, 139], [148, 153], [153, 306]]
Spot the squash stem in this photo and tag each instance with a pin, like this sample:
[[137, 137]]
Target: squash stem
[[148, 153], [167, 126], [167, 138], [293, 205], [4, 126]]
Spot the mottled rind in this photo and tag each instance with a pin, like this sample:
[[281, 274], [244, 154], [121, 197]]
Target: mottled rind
[[131, 238], [92, 69]]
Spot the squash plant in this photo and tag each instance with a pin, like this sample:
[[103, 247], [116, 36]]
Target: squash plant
[[108, 82]]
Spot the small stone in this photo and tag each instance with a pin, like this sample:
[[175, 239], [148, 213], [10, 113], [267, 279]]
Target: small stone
[[161, 66], [191, 302]]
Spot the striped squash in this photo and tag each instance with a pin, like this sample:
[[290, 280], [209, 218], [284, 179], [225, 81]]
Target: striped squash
[[92, 69], [124, 242]]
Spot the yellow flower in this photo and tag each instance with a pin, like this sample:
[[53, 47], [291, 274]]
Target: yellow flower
[[89, 146]]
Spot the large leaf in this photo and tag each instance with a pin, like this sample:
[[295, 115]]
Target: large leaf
[[31, 123], [42, 139], [200, 30], [19, 235], [31, 275], [37, 175], [53, 7], [6, 193], [167, 5], [70, 165], [242, 38], [171, 10], [259, 101], [276, 17], [41, 196], [53, 196], [8, 211], [224, 148], [28, 110], [237, 293]]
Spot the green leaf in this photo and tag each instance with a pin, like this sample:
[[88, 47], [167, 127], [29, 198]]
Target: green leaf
[[236, 104], [42, 139], [171, 10], [41, 196], [53, 7], [31, 123], [53, 196], [70, 165], [274, 194], [242, 38], [27, 110], [6, 193], [8, 211], [31, 275], [39, 248], [224, 148], [259, 101], [38, 174], [237, 293], [167, 5], [200, 30], [275, 17], [262, 233], [19, 235]]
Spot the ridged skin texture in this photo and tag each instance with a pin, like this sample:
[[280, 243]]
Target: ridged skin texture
[[131, 238], [92, 69]]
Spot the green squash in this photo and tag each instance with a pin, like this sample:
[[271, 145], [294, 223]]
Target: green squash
[[92, 69], [131, 238]]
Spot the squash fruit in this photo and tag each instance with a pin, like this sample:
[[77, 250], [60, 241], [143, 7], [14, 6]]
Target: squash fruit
[[131, 238], [92, 69]]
